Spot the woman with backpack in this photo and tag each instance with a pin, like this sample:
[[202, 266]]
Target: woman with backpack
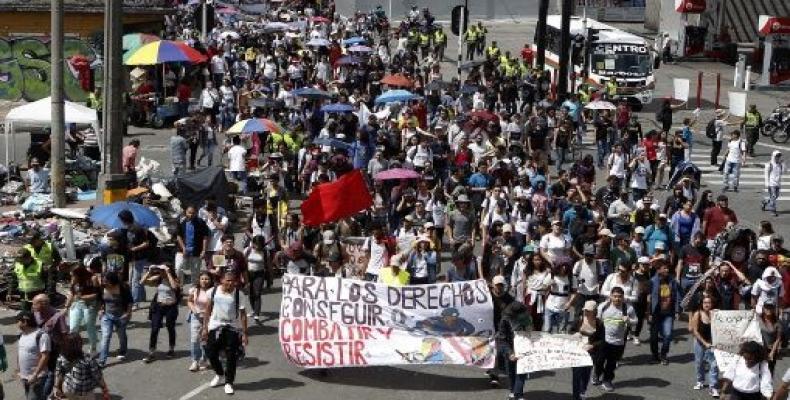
[[164, 307], [225, 329], [197, 303], [77, 374]]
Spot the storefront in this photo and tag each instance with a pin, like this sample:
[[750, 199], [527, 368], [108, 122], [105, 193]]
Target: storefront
[[776, 53]]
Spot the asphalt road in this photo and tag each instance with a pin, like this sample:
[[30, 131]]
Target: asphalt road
[[266, 375]]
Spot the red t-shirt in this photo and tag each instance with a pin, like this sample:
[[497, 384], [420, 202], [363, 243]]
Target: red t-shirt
[[527, 54], [183, 92], [717, 218], [650, 148], [145, 88]]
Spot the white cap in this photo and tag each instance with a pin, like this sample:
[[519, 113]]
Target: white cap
[[499, 280], [639, 229], [643, 260]]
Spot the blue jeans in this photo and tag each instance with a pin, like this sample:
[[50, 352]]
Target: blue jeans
[[196, 349], [702, 356], [662, 325], [581, 378], [773, 194], [559, 157], [556, 320], [135, 274], [109, 323], [84, 314], [516, 381], [603, 151], [732, 169]]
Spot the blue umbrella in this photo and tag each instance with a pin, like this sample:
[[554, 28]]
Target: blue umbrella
[[311, 93], [318, 42], [108, 215], [337, 108], [354, 40], [348, 60], [391, 96]]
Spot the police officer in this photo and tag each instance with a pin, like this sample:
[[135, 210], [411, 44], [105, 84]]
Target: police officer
[[29, 275], [470, 36], [751, 125], [611, 89], [45, 253], [493, 52], [439, 43], [425, 42], [481, 37]]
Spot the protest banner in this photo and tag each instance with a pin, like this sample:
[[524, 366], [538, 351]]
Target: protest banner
[[334, 322], [539, 351], [729, 329]]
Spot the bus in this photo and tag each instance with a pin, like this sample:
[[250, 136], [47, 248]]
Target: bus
[[610, 54]]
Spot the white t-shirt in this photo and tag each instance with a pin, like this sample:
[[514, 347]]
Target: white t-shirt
[[586, 277], [378, 256], [736, 149], [215, 240], [559, 293], [617, 163], [217, 64], [554, 245], [225, 311], [438, 213], [639, 175], [236, 158], [30, 351]]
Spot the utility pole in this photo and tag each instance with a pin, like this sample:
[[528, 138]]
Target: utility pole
[[57, 133], [543, 15], [204, 19], [462, 18], [565, 49], [113, 117]]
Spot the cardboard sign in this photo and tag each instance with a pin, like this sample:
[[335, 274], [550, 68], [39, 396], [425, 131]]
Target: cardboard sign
[[334, 322], [729, 329], [539, 351], [681, 89], [737, 104]]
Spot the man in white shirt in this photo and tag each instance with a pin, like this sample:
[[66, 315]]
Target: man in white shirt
[[218, 68], [749, 376], [237, 163], [734, 159], [773, 181], [378, 254]]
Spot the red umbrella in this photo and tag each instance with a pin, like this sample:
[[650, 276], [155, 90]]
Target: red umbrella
[[320, 20], [397, 80], [397, 173], [485, 115]]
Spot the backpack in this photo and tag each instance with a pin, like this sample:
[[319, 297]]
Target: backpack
[[710, 129]]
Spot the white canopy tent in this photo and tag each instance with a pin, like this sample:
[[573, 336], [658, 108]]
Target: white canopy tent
[[39, 113]]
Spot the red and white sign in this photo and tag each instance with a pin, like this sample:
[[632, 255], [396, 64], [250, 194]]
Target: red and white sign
[[769, 25], [690, 6]]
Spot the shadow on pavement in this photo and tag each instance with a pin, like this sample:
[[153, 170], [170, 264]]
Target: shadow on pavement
[[400, 379], [641, 383], [545, 395], [268, 384]]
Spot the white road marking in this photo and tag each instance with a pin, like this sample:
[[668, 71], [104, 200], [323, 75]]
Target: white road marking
[[774, 146], [196, 391]]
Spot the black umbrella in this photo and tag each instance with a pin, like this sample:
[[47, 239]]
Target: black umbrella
[[472, 64], [436, 85]]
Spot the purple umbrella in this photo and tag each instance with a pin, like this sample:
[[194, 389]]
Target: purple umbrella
[[397, 173]]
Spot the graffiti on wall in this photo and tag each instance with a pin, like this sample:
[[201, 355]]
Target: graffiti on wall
[[25, 68]]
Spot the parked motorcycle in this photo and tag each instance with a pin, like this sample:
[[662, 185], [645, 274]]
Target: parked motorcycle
[[777, 125]]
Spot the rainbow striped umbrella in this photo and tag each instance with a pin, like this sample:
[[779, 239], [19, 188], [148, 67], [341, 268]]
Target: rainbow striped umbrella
[[164, 51], [255, 125]]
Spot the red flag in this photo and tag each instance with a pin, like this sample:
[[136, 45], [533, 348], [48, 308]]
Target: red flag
[[336, 200]]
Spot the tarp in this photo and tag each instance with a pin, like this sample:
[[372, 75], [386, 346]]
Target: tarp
[[39, 113], [195, 187]]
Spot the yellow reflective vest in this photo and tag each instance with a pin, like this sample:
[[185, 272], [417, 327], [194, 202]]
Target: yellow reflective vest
[[471, 34], [752, 120], [43, 255], [439, 37], [29, 276], [425, 40], [492, 51]]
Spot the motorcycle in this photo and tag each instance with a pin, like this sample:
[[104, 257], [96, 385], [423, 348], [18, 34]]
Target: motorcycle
[[777, 125]]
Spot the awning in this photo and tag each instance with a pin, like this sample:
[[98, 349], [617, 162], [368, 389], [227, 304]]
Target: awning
[[690, 6], [770, 25]]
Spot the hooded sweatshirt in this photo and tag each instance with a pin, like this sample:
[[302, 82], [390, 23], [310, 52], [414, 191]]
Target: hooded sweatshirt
[[774, 171], [765, 291]]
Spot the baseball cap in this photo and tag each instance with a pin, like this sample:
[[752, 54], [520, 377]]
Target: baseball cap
[[329, 237], [643, 260], [590, 305], [507, 228], [499, 280], [662, 215], [605, 232], [639, 229]]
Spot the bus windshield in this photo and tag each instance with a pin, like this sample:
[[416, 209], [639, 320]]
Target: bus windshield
[[622, 64]]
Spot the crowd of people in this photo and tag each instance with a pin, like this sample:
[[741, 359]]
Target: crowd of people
[[498, 184]]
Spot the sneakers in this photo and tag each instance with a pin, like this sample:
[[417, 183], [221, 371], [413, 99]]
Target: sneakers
[[664, 361], [607, 386], [636, 341], [149, 358], [595, 382], [121, 357], [229, 388], [217, 380], [714, 393], [699, 386], [194, 366]]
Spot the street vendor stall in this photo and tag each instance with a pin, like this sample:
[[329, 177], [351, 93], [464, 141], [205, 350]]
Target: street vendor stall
[[39, 114]]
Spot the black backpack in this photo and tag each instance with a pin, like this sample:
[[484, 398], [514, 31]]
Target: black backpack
[[710, 129]]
